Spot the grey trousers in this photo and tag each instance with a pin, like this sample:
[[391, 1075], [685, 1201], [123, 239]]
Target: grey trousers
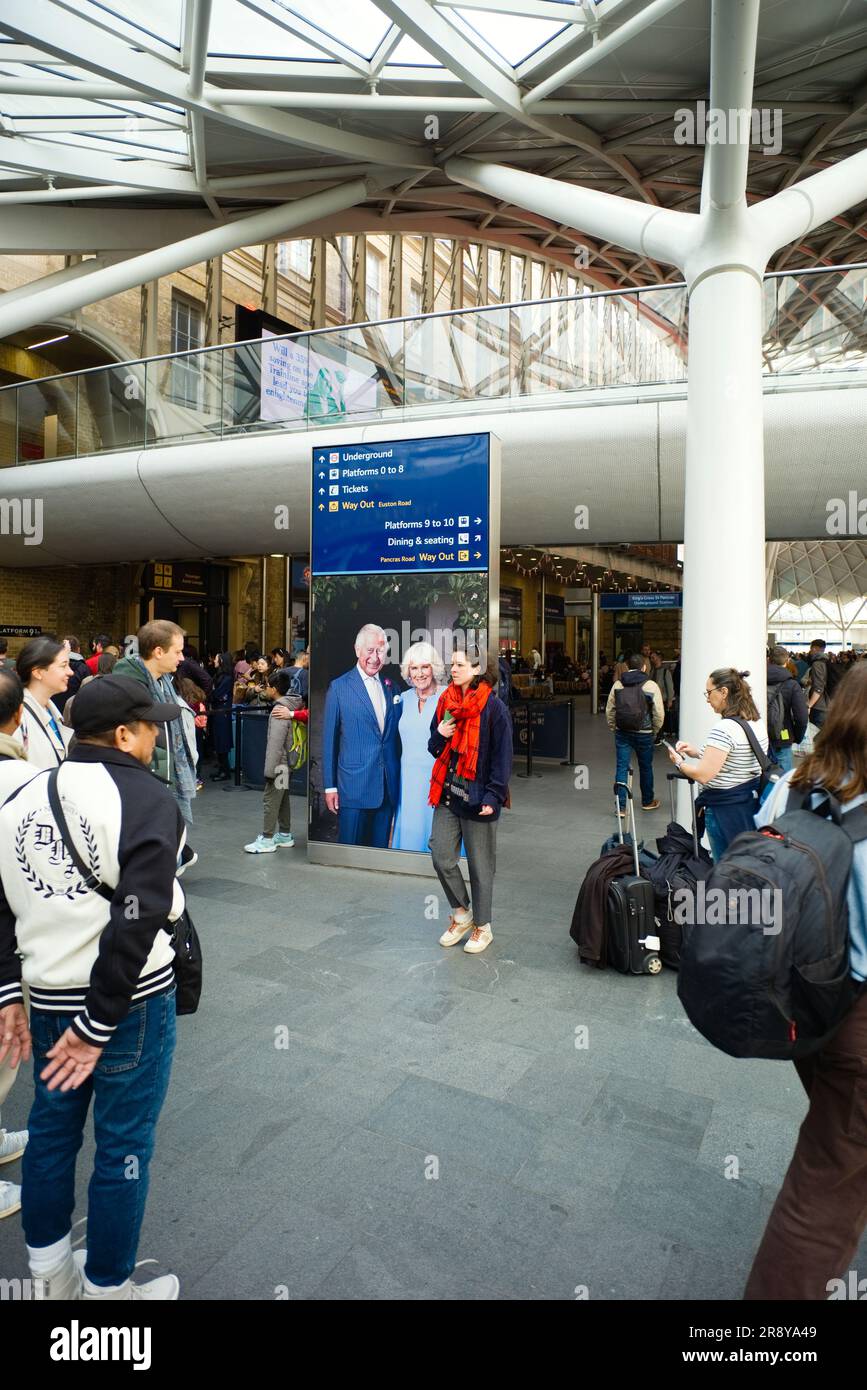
[[277, 808], [480, 842]]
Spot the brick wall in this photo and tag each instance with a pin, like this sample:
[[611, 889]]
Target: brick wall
[[82, 602]]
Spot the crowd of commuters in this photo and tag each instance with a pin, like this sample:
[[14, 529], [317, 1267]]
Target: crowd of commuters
[[85, 831]]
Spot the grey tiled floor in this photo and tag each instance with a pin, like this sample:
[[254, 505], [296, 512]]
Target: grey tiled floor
[[308, 1169]]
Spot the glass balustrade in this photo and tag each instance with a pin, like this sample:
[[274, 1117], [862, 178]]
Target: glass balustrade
[[815, 321]]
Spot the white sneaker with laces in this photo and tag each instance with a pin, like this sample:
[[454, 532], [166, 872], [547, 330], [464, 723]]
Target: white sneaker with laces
[[61, 1284], [10, 1199], [480, 940], [12, 1144], [459, 925], [166, 1287], [261, 846]]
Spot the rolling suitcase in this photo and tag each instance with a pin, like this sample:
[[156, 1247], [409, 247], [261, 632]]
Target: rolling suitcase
[[632, 944]]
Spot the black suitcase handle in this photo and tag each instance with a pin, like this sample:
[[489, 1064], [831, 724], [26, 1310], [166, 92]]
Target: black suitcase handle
[[629, 802], [680, 777]]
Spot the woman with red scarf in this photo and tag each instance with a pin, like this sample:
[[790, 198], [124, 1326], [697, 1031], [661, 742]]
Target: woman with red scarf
[[471, 742]]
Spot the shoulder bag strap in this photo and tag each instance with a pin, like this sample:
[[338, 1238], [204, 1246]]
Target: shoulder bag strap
[[37, 719], [854, 822], [19, 789], [90, 879], [762, 758]]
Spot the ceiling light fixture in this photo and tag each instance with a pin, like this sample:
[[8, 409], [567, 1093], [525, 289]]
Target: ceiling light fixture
[[45, 342]]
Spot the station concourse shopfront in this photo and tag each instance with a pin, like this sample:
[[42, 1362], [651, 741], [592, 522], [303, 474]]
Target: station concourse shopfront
[[223, 603]]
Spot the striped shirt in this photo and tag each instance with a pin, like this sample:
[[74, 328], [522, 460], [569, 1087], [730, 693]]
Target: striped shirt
[[741, 764]]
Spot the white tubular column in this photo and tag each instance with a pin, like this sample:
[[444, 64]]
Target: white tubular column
[[724, 610], [724, 613]]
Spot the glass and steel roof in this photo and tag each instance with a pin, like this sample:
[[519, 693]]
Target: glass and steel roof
[[219, 107]]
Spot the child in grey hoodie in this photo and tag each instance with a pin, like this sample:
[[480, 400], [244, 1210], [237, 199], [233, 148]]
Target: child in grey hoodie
[[281, 756]]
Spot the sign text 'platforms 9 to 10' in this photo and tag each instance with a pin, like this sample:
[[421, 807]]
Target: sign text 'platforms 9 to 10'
[[417, 504]]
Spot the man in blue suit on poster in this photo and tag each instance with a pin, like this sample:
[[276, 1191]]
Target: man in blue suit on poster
[[361, 746]]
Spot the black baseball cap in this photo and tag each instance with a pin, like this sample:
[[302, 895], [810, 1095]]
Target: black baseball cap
[[108, 701]]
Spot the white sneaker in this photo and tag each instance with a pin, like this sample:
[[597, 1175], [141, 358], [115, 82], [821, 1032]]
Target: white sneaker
[[261, 846], [10, 1199], [284, 840], [457, 928], [165, 1288], [480, 940], [12, 1144], [63, 1283], [187, 860]]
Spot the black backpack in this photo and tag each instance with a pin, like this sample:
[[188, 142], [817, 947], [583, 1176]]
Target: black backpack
[[630, 709], [776, 712], [835, 673], [778, 986]]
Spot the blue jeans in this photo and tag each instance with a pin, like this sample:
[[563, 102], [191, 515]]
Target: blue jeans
[[185, 803], [718, 842], [128, 1086], [642, 745], [785, 757]]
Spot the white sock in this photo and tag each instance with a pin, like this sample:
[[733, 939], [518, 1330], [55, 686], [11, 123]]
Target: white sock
[[92, 1288], [462, 914], [43, 1258]]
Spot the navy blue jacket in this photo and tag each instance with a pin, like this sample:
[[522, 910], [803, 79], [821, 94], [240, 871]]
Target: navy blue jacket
[[494, 767], [362, 763]]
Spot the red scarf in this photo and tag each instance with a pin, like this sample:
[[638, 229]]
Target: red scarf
[[467, 710]]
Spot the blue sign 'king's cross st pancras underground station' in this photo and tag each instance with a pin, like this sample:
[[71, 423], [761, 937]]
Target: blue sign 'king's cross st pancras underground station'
[[398, 505]]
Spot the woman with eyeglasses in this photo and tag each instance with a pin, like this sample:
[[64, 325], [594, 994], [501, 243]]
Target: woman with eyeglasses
[[727, 768]]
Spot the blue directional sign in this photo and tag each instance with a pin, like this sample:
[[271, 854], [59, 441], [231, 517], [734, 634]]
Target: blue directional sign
[[401, 505], [640, 600]]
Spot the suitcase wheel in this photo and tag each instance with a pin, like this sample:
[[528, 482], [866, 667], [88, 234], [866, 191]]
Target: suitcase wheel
[[653, 965]]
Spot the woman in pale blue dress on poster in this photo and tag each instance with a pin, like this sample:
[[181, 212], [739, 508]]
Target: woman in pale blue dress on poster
[[423, 668]]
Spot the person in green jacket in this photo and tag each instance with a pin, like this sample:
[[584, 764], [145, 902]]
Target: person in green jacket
[[160, 651]]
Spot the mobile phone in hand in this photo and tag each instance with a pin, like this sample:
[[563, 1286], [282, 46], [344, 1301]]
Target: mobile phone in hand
[[671, 748]]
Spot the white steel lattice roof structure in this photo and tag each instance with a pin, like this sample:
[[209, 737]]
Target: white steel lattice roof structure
[[810, 570], [141, 122]]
